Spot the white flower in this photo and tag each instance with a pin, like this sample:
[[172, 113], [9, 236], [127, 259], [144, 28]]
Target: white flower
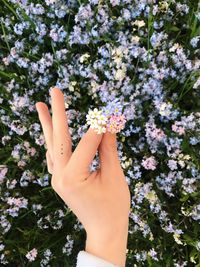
[[174, 47], [71, 86], [139, 23], [84, 57], [120, 74], [181, 163], [102, 119], [192, 259], [177, 238], [165, 109], [95, 124], [97, 120], [163, 5], [197, 83], [94, 113], [50, 2], [135, 39], [151, 196], [94, 86], [187, 157], [197, 245]]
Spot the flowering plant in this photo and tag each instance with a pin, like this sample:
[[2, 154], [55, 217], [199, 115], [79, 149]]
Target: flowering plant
[[139, 61]]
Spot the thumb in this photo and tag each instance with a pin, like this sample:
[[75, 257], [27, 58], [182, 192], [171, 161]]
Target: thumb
[[108, 153]]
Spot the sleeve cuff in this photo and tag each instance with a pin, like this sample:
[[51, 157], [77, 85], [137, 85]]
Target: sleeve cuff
[[85, 259]]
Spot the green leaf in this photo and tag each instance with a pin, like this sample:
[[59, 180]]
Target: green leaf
[[184, 198], [174, 29]]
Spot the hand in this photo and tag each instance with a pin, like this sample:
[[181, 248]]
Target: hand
[[102, 202]]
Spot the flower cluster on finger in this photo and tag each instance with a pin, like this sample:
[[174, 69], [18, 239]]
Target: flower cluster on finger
[[109, 118], [97, 120]]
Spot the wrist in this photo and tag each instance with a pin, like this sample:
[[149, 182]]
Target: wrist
[[111, 248]]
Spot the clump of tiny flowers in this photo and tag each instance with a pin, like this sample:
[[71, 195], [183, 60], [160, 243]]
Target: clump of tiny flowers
[[109, 118], [116, 123], [96, 120]]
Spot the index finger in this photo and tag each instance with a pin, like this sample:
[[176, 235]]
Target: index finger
[[47, 127], [62, 144]]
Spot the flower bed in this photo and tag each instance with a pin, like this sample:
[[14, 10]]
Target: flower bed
[[143, 54]]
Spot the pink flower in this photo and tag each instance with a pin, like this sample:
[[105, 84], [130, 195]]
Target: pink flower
[[158, 134], [31, 255], [6, 61], [149, 163], [178, 129], [32, 151], [116, 123], [3, 171], [19, 202]]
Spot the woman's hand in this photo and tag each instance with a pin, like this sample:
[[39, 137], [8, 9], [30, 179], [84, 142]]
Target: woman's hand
[[102, 202]]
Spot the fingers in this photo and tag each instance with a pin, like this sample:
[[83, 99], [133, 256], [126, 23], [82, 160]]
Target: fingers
[[108, 154], [62, 145], [84, 153], [47, 127]]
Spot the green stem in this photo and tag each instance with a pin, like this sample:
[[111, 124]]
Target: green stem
[[4, 74], [150, 23], [5, 36], [9, 7], [186, 83]]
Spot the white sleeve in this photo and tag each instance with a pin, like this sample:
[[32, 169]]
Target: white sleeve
[[85, 259]]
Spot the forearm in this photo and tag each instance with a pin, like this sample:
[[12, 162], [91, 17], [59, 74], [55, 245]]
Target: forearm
[[112, 249]]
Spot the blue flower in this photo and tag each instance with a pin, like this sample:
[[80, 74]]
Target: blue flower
[[113, 107], [194, 141]]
